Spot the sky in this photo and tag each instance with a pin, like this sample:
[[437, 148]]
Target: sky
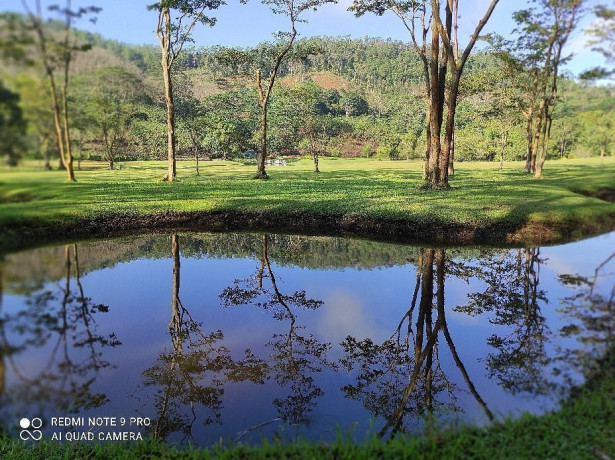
[[246, 25]]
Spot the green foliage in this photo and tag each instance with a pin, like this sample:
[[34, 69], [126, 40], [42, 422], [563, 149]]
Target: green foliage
[[107, 101], [147, 133], [597, 133], [389, 149], [217, 107], [602, 40], [353, 104], [12, 126]]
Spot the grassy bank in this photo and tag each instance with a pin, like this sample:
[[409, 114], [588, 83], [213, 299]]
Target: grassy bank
[[359, 196], [583, 428]]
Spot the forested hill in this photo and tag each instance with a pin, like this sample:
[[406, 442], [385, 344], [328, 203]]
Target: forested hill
[[340, 96]]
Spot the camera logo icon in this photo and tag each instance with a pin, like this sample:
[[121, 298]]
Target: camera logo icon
[[30, 429]]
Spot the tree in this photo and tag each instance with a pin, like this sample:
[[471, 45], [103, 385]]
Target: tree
[[108, 99], [537, 54], [176, 19], [353, 104], [598, 133], [56, 56], [12, 125], [295, 356], [514, 299], [194, 372], [60, 320], [37, 115], [442, 69], [603, 41], [292, 9]]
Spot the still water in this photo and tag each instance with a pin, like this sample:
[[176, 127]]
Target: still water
[[236, 337]]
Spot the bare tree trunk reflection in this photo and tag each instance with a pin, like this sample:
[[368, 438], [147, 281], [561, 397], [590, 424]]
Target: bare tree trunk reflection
[[414, 367], [64, 383], [191, 377]]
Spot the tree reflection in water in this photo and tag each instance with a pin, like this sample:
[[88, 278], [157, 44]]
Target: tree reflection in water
[[61, 322], [296, 356], [194, 371], [591, 311], [513, 298], [402, 376], [401, 380]]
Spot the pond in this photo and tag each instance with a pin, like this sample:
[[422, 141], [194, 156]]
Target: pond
[[239, 337]]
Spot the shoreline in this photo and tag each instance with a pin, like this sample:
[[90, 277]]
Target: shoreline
[[504, 233]]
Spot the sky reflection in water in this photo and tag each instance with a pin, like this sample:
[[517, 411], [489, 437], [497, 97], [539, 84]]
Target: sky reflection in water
[[239, 336]]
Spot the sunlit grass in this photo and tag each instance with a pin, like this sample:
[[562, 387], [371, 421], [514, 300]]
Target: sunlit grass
[[481, 195]]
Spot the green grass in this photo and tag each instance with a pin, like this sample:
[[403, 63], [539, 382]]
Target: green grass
[[483, 201], [583, 428]]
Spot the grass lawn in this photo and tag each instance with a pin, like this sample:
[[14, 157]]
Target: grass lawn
[[355, 196]]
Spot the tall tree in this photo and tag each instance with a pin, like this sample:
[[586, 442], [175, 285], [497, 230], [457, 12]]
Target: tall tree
[[543, 31], [56, 56], [176, 20], [292, 9], [435, 40]]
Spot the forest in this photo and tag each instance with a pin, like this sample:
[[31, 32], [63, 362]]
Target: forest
[[335, 97]]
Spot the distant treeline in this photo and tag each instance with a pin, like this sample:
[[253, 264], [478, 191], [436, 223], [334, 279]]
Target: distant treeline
[[339, 97]]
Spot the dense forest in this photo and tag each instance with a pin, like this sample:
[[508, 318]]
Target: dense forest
[[337, 97]]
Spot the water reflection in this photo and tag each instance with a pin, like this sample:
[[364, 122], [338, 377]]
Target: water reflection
[[513, 298], [58, 325], [245, 348], [402, 377], [295, 357], [590, 321], [194, 371]]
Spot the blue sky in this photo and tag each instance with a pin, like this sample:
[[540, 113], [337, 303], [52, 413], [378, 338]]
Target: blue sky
[[246, 25]]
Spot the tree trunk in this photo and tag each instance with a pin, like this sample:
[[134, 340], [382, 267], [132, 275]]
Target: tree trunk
[[602, 152], [261, 157], [196, 158], [529, 138], [449, 131], [168, 94], [45, 150], [502, 148], [67, 144], [542, 144], [263, 97], [538, 167], [57, 124], [163, 32], [451, 160], [315, 156], [428, 143], [435, 120]]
